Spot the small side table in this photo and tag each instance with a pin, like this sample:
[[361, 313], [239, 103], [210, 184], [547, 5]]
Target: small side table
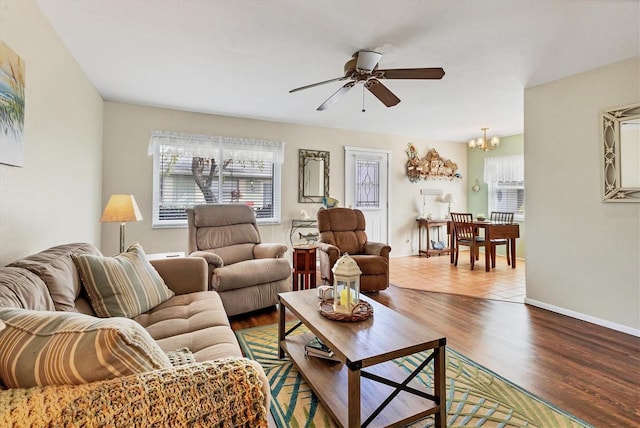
[[427, 224], [304, 267], [156, 256]]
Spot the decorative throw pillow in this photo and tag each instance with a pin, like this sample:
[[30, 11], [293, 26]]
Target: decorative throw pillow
[[40, 348], [181, 357], [125, 285]]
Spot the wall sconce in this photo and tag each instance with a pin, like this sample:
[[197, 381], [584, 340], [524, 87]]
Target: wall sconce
[[476, 187], [121, 208], [483, 144]]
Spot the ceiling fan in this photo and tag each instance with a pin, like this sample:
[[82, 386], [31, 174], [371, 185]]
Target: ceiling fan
[[363, 68]]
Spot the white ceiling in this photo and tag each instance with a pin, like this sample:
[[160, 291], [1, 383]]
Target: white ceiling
[[240, 58]]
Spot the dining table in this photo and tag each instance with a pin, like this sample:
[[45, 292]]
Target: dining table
[[492, 230]]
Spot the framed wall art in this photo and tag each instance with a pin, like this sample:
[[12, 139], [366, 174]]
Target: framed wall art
[[12, 82]]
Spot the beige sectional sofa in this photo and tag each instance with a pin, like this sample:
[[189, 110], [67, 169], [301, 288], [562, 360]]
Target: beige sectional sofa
[[188, 368]]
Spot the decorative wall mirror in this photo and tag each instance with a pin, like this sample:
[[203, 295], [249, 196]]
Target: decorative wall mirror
[[621, 154], [313, 175]]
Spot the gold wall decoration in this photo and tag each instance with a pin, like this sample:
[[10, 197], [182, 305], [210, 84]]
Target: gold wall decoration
[[431, 166]]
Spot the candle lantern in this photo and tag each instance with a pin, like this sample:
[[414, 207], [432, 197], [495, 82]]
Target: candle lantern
[[346, 284]]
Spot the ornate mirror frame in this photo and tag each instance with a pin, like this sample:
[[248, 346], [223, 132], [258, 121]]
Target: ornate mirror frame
[[306, 160], [614, 190]]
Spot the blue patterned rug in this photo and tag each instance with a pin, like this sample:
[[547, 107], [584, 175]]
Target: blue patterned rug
[[476, 396]]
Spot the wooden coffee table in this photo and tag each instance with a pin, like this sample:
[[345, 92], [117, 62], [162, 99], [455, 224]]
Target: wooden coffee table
[[382, 395]]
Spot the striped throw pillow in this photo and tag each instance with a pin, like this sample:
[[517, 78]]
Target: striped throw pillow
[[125, 285], [39, 348]]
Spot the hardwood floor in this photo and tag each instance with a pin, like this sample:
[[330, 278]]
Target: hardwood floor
[[589, 371]]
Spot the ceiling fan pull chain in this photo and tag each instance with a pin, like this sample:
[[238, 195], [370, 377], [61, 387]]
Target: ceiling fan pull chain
[[363, 109]]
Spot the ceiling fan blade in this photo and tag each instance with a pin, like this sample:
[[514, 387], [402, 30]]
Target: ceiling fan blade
[[382, 93], [337, 94], [337, 79], [367, 60], [410, 73]]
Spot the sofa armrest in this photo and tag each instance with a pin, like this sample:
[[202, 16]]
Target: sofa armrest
[[328, 255], [183, 274], [377, 249], [332, 250], [269, 251], [212, 258], [225, 392]]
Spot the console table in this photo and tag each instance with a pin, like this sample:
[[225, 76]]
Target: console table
[[428, 224]]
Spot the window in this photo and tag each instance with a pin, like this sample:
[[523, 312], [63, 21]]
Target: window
[[193, 169], [367, 184], [507, 196], [505, 177]]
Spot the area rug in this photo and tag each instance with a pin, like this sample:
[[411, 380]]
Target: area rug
[[476, 396]]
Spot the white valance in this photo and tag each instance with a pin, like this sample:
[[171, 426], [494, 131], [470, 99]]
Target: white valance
[[504, 168], [199, 145]]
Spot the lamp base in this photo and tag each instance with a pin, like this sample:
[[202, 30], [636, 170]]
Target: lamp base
[[122, 237]]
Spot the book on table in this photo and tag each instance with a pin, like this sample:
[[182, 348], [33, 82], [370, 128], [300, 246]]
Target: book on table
[[315, 348]]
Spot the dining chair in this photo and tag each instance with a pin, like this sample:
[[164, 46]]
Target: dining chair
[[466, 233], [500, 217]]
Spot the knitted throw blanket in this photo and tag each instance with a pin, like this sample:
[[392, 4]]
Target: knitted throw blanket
[[218, 393]]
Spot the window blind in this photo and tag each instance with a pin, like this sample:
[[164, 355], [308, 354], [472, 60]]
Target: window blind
[[191, 169], [505, 177]]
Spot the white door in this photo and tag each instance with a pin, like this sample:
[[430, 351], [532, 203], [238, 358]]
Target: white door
[[366, 173]]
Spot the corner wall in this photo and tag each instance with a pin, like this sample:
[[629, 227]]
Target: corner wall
[[583, 255], [128, 169], [478, 201], [55, 198]]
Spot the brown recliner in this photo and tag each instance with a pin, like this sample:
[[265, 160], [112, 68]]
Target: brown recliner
[[247, 273], [342, 230]]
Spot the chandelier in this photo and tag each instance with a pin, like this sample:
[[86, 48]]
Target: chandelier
[[483, 144]]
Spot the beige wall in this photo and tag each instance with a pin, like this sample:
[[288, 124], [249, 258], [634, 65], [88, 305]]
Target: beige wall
[[55, 197], [583, 255], [128, 169]]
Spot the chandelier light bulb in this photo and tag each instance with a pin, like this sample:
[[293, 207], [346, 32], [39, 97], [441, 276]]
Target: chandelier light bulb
[[483, 143]]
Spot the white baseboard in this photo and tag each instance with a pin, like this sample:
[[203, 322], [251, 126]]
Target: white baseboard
[[584, 317]]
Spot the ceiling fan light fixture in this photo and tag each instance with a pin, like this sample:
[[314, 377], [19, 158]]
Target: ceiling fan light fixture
[[367, 60]]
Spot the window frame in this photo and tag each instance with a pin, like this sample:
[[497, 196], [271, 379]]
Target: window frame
[[505, 173], [215, 147], [493, 188]]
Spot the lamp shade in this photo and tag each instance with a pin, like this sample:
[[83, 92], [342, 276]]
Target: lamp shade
[[121, 208], [447, 198]]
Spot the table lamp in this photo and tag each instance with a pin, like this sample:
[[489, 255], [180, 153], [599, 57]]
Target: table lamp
[[448, 198], [122, 209]]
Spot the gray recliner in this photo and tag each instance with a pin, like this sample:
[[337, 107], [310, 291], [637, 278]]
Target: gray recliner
[[247, 273]]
